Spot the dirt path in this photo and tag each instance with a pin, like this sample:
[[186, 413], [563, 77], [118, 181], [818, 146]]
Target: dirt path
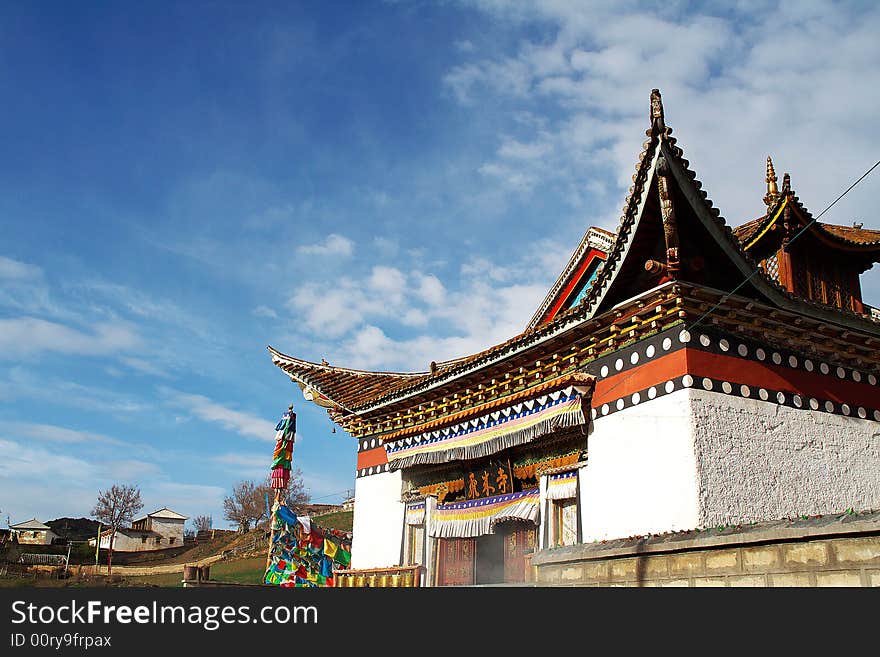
[[164, 569]]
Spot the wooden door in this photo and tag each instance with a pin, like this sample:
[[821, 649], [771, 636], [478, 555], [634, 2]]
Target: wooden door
[[456, 562], [519, 540]]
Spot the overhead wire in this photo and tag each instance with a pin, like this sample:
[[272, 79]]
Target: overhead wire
[[727, 295]]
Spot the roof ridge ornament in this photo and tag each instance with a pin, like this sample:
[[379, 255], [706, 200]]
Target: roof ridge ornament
[[658, 124], [772, 190]]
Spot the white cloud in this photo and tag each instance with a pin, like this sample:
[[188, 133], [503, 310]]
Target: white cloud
[[386, 246], [22, 460], [244, 465], [264, 311], [145, 366], [735, 89], [14, 270], [333, 245], [430, 289], [20, 383], [26, 335], [199, 406], [56, 434], [186, 498], [387, 279], [357, 323]]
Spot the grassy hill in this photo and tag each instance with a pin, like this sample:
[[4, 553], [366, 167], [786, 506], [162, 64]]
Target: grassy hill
[[341, 520]]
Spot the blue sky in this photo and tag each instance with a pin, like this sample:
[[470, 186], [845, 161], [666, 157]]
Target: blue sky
[[378, 184]]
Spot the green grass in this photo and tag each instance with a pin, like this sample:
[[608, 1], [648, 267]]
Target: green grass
[[341, 520], [240, 571]]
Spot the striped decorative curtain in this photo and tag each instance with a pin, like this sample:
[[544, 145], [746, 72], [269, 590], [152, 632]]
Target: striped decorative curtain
[[478, 517], [415, 513], [509, 426], [562, 485]]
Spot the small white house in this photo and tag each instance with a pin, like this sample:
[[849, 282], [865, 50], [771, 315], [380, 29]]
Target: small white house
[[33, 532], [159, 530]]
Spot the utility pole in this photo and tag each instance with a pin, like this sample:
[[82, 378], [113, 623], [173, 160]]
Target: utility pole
[[97, 547], [67, 561]]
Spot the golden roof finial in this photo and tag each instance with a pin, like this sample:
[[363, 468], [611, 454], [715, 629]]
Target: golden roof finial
[[772, 189], [658, 124]]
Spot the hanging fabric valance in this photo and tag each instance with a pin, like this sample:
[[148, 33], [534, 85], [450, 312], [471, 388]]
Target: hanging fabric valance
[[415, 513], [478, 517], [481, 436], [562, 485]]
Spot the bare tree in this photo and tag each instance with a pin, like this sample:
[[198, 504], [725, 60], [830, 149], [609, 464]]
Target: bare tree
[[116, 508], [202, 523], [297, 493], [239, 507], [247, 504]]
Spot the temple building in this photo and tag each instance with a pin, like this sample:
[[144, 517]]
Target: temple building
[[679, 374]]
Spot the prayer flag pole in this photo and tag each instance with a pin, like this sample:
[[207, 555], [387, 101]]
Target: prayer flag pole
[[285, 435]]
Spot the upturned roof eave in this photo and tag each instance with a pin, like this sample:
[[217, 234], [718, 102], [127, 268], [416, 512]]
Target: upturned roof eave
[[572, 321]]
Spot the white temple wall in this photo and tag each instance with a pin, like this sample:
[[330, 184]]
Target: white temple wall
[[378, 521], [764, 461], [642, 473]]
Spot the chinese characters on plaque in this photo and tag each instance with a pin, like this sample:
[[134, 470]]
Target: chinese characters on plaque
[[494, 478]]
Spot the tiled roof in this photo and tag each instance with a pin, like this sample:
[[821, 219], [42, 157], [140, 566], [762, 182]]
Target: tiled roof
[[848, 234], [745, 231], [345, 387], [32, 524], [358, 391], [853, 235]]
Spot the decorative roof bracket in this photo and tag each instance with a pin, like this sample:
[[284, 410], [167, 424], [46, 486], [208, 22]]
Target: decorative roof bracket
[[667, 212]]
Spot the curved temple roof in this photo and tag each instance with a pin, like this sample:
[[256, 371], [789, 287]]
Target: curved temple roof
[[359, 391]]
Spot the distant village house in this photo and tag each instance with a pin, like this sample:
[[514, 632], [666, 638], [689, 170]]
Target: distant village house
[[159, 530], [33, 532]]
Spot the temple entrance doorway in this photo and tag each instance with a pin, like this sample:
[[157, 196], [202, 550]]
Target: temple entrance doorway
[[498, 558]]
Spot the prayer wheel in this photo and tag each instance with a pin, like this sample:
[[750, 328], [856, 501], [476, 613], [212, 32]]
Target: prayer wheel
[[359, 580], [395, 580], [384, 580], [190, 573], [408, 578]]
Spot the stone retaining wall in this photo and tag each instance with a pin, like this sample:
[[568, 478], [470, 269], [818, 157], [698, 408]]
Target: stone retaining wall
[[840, 552]]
